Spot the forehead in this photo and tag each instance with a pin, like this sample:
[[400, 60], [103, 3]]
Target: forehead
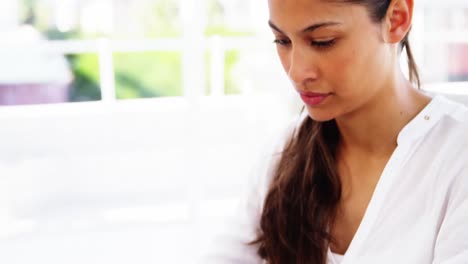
[[290, 14]]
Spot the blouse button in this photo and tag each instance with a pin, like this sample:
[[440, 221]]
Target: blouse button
[[427, 117]]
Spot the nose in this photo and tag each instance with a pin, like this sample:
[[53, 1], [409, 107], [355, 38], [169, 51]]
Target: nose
[[302, 66]]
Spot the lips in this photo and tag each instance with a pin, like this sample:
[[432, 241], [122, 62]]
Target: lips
[[313, 99]]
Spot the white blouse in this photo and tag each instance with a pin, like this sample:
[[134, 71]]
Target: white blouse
[[336, 258], [417, 214]]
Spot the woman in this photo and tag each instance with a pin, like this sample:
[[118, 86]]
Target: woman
[[377, 172]]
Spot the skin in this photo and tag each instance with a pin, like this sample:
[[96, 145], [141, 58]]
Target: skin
[[355, 62]]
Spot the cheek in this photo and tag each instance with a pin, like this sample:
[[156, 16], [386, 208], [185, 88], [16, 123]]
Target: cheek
[[358, 75], [342, 69], [345, 62], [354, 70]]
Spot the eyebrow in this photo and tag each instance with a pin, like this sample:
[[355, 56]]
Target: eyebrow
[[307, 29]]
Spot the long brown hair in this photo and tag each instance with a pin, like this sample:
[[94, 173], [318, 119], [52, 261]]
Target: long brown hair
[[303, 196]]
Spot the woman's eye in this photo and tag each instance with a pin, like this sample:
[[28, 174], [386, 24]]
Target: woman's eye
[[323, 44], [282, 42], [318, 44]]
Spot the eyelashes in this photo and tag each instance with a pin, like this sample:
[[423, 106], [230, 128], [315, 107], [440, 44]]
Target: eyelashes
[[281, 42], [317, 44], [323, 44]]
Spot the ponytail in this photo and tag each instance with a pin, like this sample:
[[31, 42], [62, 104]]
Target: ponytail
[[412, 67]]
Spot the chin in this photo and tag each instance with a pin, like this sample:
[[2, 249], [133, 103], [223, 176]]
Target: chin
[[319, 115]]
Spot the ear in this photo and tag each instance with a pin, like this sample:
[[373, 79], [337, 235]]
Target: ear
[[398, 20]]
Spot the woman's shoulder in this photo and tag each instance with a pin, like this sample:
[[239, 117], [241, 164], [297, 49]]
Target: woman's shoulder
[[450, 128], [449, 140], [454, 120], [441, 121], [459, 110]]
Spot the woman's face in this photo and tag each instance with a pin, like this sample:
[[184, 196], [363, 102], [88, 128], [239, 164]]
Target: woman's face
[[333, 53]]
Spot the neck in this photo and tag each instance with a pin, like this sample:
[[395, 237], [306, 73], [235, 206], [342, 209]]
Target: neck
[[374, 127]]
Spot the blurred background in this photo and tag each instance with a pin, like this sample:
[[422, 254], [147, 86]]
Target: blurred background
[[130, 128]]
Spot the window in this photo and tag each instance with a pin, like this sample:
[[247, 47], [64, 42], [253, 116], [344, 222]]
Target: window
[[111, 49], [440, 32]]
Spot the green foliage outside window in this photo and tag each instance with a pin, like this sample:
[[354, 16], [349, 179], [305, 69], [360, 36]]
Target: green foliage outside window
[[85, 84], [148, 74], [138, 75]]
